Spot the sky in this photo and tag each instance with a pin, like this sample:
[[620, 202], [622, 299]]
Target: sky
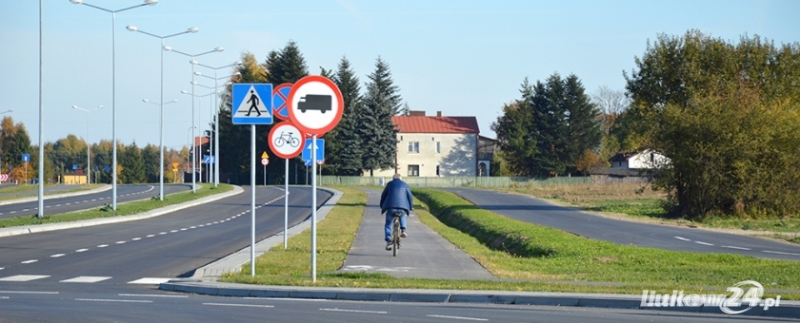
[[463, 58]]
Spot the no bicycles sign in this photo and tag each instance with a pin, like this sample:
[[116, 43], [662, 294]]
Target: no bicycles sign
[[285, 140]]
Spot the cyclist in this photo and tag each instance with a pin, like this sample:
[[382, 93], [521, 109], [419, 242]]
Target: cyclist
[[396, 197]]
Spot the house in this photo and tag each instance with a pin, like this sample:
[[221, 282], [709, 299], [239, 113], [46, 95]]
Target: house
[[429, 146], [643, 159]]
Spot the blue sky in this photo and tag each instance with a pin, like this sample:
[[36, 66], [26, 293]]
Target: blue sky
[[464, 58]]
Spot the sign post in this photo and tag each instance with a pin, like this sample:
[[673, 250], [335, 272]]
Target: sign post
[[250, 107], [315, 107], [286, 142], [265, 162]]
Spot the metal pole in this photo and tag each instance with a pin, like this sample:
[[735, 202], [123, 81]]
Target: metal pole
[[41, 123], [253, 200], [194, 145], [113, 118], [265, 175], [313, 210], [161, 130], [88, 153], [285, 202], [216, 131]]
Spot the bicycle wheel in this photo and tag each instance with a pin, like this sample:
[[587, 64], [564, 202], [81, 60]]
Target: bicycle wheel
[[279, 141], [395, 236]]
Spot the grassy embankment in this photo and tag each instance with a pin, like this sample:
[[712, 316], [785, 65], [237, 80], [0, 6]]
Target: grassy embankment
[[31, 190], [631, 202], [525, 256], [123, 209]]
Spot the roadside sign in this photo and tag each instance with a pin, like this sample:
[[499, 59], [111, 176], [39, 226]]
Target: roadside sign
[[285, 140], [280, 100], [252, 103], [3, 177], [74, 166], [315, 105], [307, 163], [320, 162], [264, 161], [320, 150], [208, 159], [107, 169], [26, 158], [264, 155], [175, 165]]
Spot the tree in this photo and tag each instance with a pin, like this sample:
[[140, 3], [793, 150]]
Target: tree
[[376, 128], [151, 161], [132, 165], [345, 149], [726, 115], [582, 116]]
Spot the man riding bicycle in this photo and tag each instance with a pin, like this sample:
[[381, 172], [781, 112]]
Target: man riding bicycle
[[396, 197]]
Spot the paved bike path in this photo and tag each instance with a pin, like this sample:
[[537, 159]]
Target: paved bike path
[[424, 254]]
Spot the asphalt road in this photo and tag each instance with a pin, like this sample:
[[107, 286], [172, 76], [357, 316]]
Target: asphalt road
[[528, 209], [125, 193]]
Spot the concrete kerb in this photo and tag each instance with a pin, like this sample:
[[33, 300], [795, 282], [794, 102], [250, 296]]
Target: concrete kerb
[[5, 232], [235, 261], [55, 196]]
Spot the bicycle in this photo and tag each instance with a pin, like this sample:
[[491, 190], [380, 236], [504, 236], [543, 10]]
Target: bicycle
[[396, 232], [286, 138]]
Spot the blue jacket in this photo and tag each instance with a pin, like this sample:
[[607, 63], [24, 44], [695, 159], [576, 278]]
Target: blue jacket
[[397, 195]]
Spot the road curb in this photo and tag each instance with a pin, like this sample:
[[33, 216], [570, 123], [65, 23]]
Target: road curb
[[787, 309], [235, 261], [55, 196], [12, 231]]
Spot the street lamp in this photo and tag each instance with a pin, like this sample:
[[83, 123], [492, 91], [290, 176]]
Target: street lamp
[[161, 120], [216, 112], [88, 145], [113, 94], [198, 123], [192, 56]]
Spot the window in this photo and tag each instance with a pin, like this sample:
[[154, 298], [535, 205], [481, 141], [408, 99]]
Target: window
[[438, 147], [413, 146], [437, 170], [413, 170]]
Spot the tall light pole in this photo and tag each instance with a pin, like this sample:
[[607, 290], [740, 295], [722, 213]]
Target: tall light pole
[[194, 148], [189, 140], [161, 119], [161, 149], [113, 98], [88, 145], [192, 56], [216, 112]]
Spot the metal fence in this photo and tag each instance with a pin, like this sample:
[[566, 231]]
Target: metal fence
[[455, 181]]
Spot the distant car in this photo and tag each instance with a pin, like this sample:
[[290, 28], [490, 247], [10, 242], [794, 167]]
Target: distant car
[[315, 102]]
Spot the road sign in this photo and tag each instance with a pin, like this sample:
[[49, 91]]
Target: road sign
[[74, 166], [280, 99], [320, 150], [315, 105], [264, 155], [264, 161], [26, 158], [252, 103], [175, 165], [107, 169], [285, 140], [320, 162], [3, 177], [208, 159], [307, 163]]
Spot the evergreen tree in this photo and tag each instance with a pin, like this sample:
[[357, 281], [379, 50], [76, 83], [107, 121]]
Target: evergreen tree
[[583, 121], [132, 165], [152, 162], [516, 135], [20, 143], [376, 129], [345, 149], [382, 78]]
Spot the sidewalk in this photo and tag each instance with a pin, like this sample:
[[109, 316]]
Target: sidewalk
[[424, 254]]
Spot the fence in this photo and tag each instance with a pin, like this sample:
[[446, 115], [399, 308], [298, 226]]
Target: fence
[[455, 181]]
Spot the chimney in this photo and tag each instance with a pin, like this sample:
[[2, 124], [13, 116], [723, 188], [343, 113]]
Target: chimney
[[417, 113], [438, 113]]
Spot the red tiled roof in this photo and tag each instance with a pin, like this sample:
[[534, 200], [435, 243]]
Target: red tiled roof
[[199, 141], [419, 124]]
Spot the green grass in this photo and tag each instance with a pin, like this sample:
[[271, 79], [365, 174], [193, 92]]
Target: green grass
[[5, 189], [122, 208], [525, 256]]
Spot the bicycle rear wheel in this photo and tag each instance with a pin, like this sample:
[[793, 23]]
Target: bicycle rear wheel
[[395, 236]]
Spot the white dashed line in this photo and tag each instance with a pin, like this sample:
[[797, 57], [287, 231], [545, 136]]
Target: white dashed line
[[351, 311], [102, 246], [238, 305], [184, 229], [735, 247], [192, 227], [704, 243], [12, 212], [25, 210], [173, 231], [121, 242], [81, 250], [457, 317], [136, 239], [85, 279], [682, 238], [29, 261], [782, 253], [58, 255], [154, 295], [23, 278], [150, 236], [112, 300], [162, 233]]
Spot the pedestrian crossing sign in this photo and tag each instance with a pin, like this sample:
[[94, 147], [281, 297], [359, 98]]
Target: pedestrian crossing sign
[[251, 103]]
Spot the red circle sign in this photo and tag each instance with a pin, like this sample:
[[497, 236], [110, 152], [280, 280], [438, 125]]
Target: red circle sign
[[265, 161], [315, 105], [285, 140]]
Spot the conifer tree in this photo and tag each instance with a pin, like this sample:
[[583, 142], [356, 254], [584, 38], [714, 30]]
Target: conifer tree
[[345, 149], [377, 131]]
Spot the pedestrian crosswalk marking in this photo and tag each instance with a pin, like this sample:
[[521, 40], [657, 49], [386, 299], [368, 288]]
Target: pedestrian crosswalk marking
[[23, 278], [86, 279]]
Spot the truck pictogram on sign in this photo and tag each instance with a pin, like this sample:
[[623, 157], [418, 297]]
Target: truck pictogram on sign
[[315, 102]]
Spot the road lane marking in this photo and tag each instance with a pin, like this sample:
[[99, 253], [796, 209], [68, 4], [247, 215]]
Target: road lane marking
[[85, 279], [149, 281], [682, 238], [25, 210], [173, 231], [162, 233], [352, 311], [136, 239], [782, 253], [704, 243], [23, 278], [29, 261], [457, 317], [121, 242], [112, 300], [150, 235], [238, 305], [81, 250], [27, 292], [154, 295], [57, 255], [183, 229], [735, 247], [102, 246]]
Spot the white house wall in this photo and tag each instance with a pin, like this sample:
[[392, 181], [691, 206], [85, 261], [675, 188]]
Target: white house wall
[[456, 157]]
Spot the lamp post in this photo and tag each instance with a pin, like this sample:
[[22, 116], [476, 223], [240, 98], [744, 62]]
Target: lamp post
[[198, 123], [189, 141], [113, 95], [161, 119], [215, 112], [192, 56], [88, 145]]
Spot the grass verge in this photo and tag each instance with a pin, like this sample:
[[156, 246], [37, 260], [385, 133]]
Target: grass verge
[[33, 189], [526, 257], [122, 208]]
